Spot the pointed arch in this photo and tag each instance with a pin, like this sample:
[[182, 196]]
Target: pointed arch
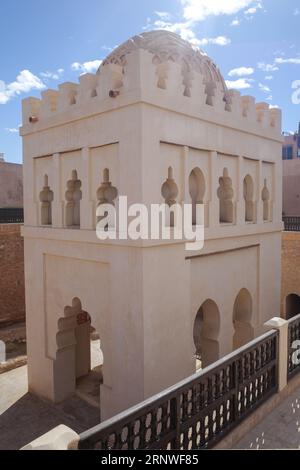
[[206, 333]]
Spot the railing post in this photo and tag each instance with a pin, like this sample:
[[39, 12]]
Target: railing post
[[281, 326]]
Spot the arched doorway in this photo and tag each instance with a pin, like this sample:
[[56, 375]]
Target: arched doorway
[[242, 317], [206, 334], [292, 305], [197, 192], [79, 354]]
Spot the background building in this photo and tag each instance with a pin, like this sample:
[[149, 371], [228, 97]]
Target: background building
[[11, 184], [291, 174]]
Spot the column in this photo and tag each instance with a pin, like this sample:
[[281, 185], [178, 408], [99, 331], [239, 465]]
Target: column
[[87, 216], [58, 202]]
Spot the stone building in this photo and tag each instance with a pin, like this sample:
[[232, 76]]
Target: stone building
[[11, 184], [157, 112], [291, 174]]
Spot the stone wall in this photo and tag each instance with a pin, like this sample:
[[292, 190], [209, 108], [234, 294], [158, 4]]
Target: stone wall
[[290, 280], [11, 185], [12, 292]]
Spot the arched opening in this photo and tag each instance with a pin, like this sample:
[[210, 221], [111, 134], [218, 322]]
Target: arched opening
[[169, 192], [248, 197], [265, 195], [225, 195], [197, 192], [46, 199], [106, 194], [206, 334], [292, 305], [242, 318], [80, 354], [73, 197]]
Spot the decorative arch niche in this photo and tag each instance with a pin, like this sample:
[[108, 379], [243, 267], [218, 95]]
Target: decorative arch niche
[[242, 319], [206, 334], [197, 189], [46, 199], [169, 192], [106, 194], [265, 195], [225, 195], [73, 197], [249, 199]]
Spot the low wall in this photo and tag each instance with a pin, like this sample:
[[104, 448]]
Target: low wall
[[12, 291], [290, 266]]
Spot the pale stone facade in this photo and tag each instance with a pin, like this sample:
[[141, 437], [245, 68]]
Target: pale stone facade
[[156, 108]]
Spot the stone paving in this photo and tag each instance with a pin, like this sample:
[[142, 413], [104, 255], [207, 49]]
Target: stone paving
[[279, 430], [24, 417]]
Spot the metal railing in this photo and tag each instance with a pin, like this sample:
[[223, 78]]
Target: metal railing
[[199, 411], [11, 216], [293, 335], [291, 223]]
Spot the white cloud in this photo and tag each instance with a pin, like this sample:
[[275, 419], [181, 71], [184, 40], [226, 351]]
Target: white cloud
[[241, 72], [186, 32], [52, 75], [292, 60], [24, 83], [240, 84], [269, 77], [199, 10], [253, 10], [274, 106], [164, 15], [267, 67], [86, 67], [12, 130], [235, 22], [264, 88], [218, 41]]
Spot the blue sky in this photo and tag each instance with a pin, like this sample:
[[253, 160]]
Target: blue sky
[[43, 43]]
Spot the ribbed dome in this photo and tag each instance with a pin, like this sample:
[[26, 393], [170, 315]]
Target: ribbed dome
[[165, 45]]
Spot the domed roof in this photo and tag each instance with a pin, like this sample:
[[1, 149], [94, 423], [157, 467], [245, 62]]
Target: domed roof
[[165, 45]]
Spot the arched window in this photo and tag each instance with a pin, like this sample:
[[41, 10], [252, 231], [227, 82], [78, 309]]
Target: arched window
[[225, 195], [248, 197], [73, 197], [266, 202], [169, 192], [206, 334], [242, 319], [46, 199], [197, 192]]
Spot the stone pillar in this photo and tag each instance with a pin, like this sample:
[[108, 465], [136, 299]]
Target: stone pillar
[[240, 203], [213, 198], [259, 212], [87, 216], [281, 326], [58, 202]]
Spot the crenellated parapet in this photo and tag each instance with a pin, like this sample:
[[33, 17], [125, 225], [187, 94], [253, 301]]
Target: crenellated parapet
[[170, 73]]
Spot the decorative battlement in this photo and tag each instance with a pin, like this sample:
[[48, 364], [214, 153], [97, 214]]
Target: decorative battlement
[[161, 69]]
